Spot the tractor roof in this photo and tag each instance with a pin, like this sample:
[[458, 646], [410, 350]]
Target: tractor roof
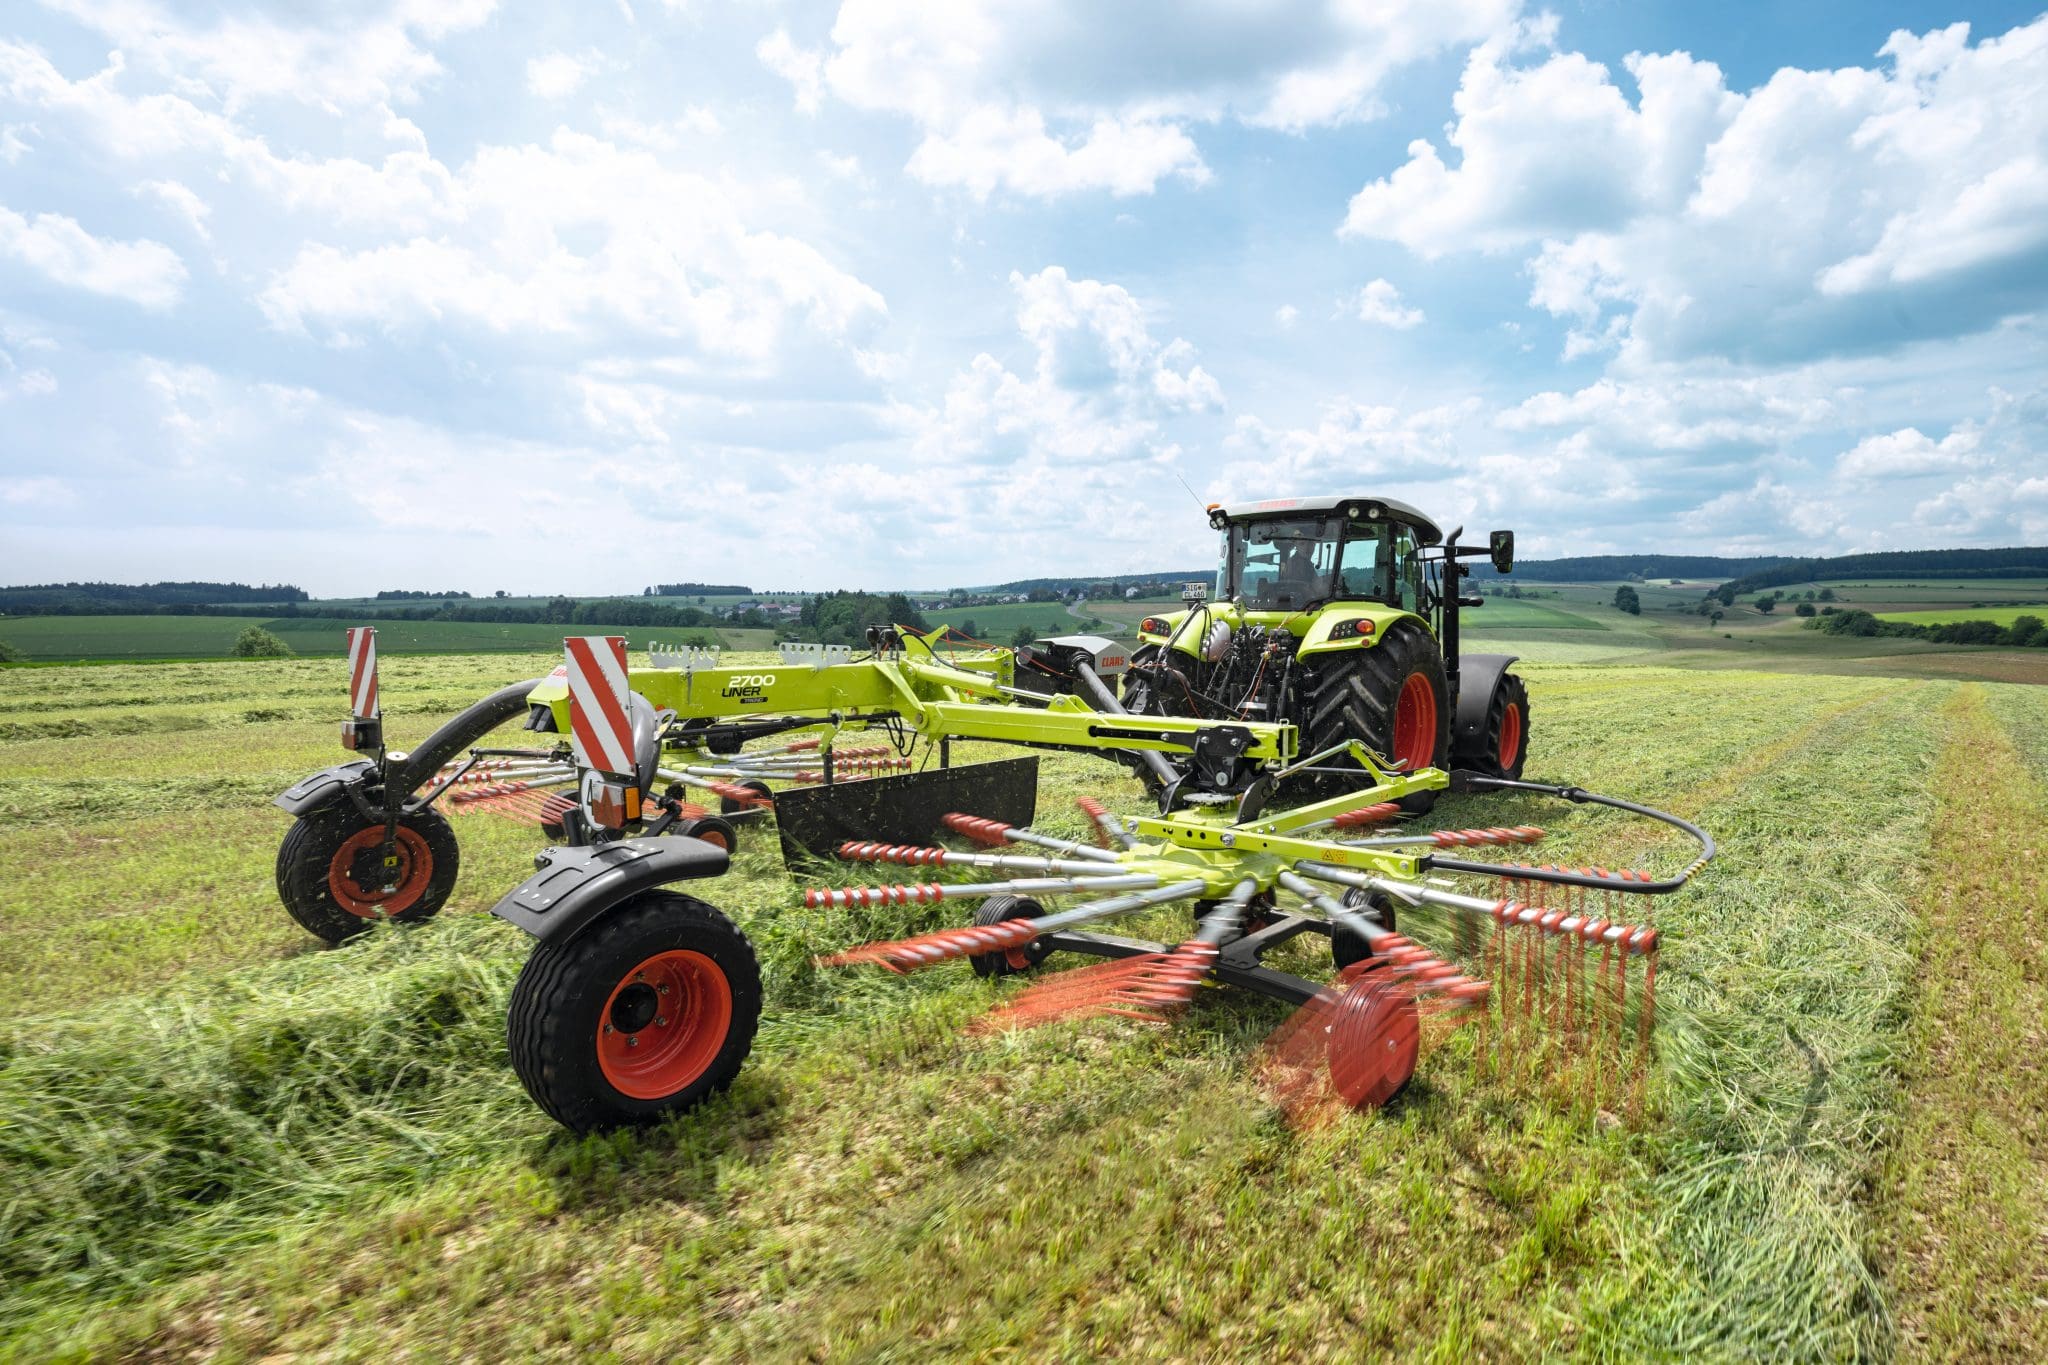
[[1426, 530]]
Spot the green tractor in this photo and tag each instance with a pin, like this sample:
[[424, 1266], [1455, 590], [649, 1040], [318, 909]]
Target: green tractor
[[1339, 615]]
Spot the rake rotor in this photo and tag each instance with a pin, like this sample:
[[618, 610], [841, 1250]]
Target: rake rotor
[[1544, 972]]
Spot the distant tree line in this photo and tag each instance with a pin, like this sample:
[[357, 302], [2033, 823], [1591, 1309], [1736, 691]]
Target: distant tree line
[[137, 599], [2026, 632], [2023, 561], [414, 595], [699, 590], [1608, 568]]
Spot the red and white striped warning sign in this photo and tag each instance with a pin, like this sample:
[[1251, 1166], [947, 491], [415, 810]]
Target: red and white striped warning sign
[[362, 672], [600, 725]]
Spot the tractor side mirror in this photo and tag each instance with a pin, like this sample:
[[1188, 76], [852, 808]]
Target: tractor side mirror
[[1502, 546]]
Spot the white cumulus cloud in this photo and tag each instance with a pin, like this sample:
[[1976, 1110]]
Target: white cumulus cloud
[[1380, 302], [143, 272]]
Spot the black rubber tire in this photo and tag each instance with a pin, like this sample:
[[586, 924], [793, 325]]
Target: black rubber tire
[[1484, 756], [1353, 694], [307, 855], [553, 1023], [1016, 961], [711, 830], [728, 806], [1347, 947]]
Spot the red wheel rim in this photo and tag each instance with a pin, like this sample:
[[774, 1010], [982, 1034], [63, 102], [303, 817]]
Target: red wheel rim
[[1415, 723], [415, 870], [664, 1024], [1374, 1042], [1510, 735]]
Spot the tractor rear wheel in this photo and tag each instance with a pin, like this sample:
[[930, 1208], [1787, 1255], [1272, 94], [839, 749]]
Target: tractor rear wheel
[[647, 1012], [333, 878], [1502, 744], [1392, 697], [1011, 961]]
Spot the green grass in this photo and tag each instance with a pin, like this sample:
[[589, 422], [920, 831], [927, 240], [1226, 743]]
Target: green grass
[[2003, 616], [999, 623], [61, 638], [218, 1138]]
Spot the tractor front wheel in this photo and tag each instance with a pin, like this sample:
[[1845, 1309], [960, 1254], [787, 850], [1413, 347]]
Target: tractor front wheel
[[1502, 744], [1392, 697], [336, 877], [647, 1012]]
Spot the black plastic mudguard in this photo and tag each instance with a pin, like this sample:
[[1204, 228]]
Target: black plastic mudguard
[[1478, 675], [311, 793], [904, 809], [571, 887]]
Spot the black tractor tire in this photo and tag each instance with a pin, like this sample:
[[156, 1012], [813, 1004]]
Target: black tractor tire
[[1392, 697], [648, 1012], [330, 870], [1347, 947], [1013, 961], [1502, 745]]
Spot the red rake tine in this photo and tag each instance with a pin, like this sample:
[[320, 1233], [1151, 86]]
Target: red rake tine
[[1147, 986], [994, 834], [1109, 831], [923, 950]]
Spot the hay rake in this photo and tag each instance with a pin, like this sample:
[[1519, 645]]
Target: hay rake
[[1542, 969]]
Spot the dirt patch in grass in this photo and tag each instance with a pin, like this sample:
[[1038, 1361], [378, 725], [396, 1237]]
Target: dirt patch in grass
[[1966, 1187]]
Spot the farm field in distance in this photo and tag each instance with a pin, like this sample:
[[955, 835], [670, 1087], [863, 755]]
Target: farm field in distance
[[224, 1138], [45, 638]]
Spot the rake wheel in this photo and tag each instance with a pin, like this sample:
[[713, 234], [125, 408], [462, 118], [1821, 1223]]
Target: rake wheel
[[1347, 947], [1375, 1038], [648, 1012], [1011, 961], [332, 877]]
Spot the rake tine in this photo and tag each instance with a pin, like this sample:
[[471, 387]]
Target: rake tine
[[909, 855], [905, 955], [1110, 831], [995, 832], [933, 892], [1453, 838], [1145, 987], [1377, 813]]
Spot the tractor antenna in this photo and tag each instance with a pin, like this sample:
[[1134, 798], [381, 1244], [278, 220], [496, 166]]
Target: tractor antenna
[[1191, 492]]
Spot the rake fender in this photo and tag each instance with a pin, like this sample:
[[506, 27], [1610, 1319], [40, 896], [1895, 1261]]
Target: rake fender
[[573, 886], [460, 732], [1478, 675], [418, 767], [311, 793]]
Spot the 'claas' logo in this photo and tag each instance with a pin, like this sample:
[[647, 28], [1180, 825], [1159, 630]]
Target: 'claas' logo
[[1112, 661]]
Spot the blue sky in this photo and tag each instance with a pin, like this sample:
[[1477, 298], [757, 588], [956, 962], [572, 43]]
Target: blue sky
[[464, 294]]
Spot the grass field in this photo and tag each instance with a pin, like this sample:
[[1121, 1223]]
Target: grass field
[[213, 637], [222, 1140], [2003, 616]]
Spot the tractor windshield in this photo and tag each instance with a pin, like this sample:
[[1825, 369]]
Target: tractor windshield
[[1289, 563]]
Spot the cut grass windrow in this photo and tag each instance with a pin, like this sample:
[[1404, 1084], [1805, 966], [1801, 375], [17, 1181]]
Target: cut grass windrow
[[1965, 1194]]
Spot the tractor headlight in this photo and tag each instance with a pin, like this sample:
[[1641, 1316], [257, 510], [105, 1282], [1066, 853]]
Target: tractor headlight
[[1351, 629]]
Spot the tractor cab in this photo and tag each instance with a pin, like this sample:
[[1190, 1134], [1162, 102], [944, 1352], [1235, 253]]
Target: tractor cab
[[1295, 554]]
